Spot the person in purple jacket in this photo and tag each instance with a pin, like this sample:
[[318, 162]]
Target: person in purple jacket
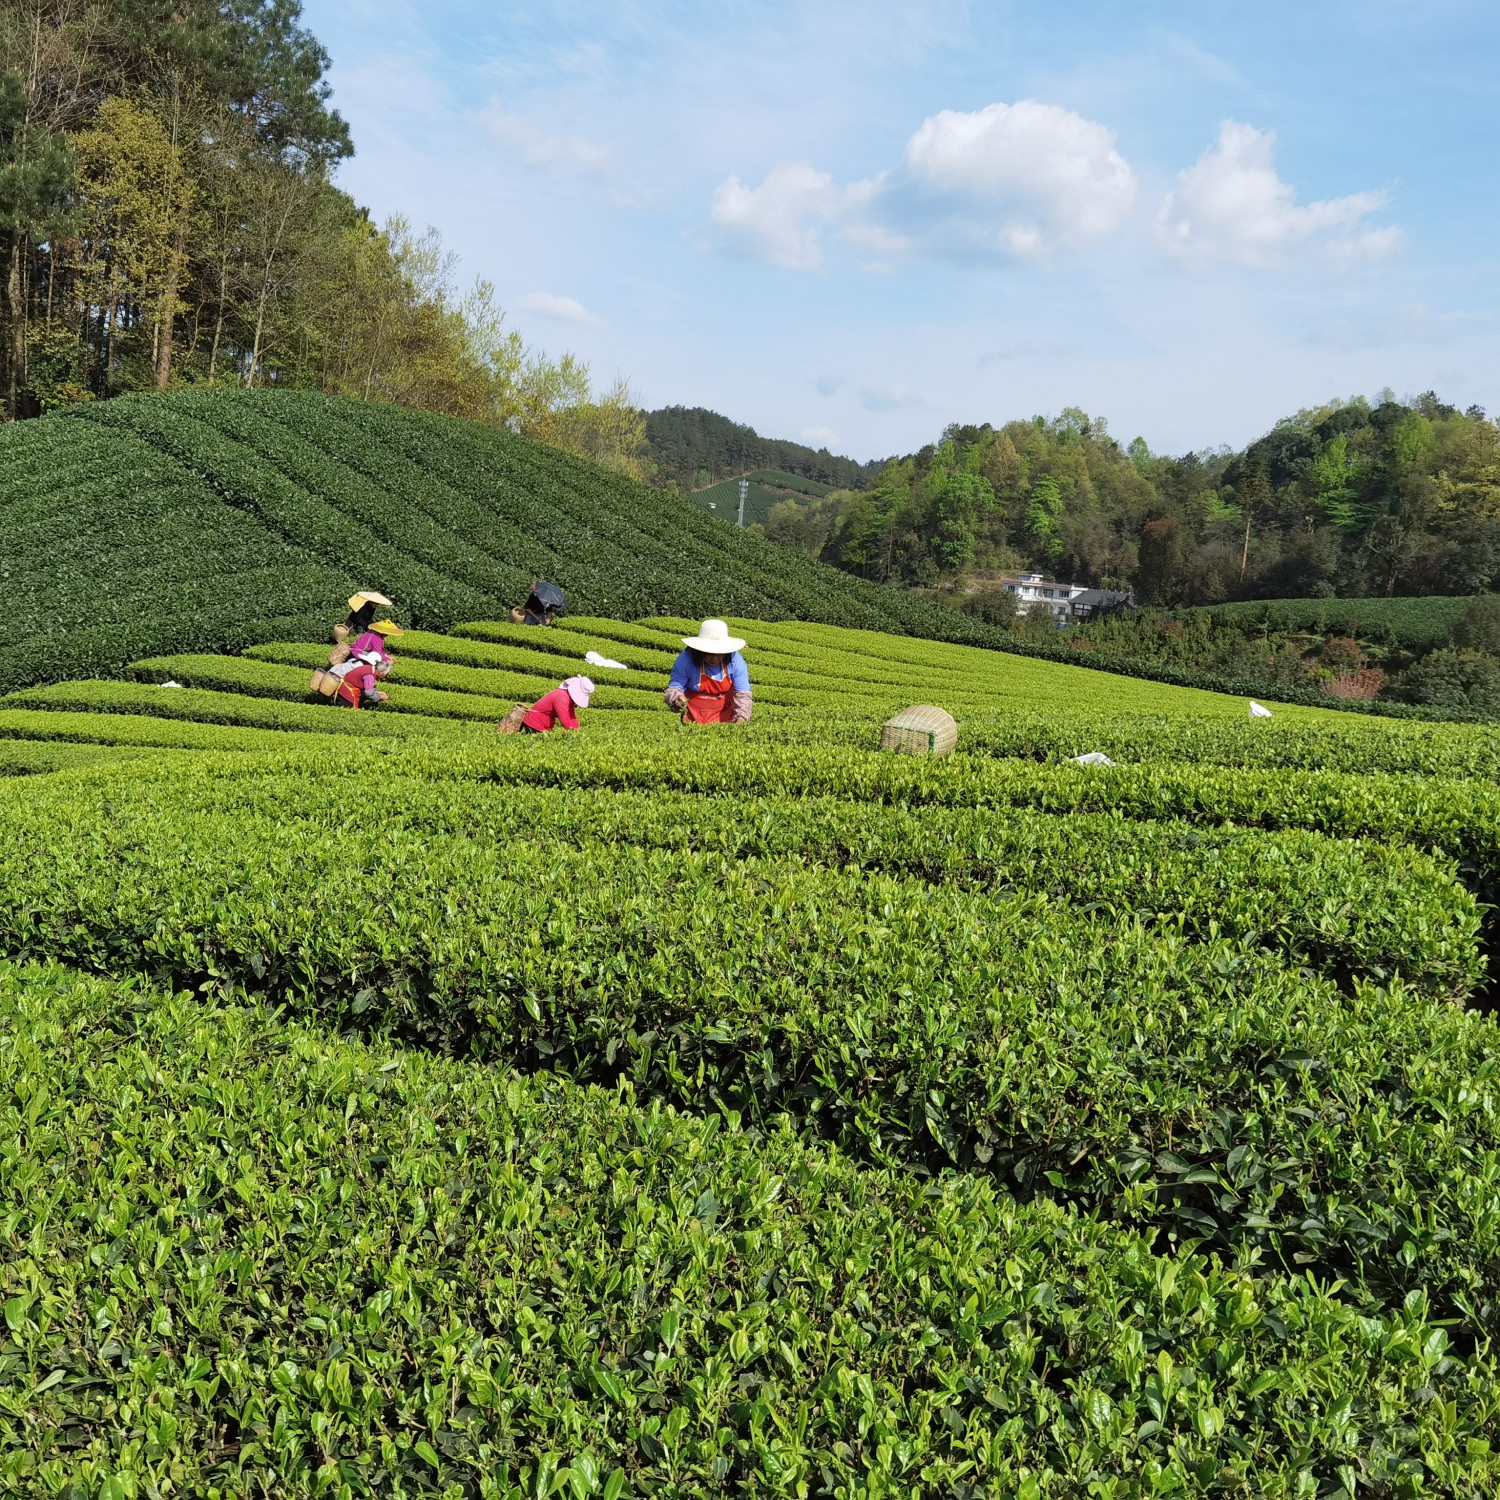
[[374, 639]]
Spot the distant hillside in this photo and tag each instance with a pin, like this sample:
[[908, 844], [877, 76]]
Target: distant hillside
[[766, 488], [695, 447]]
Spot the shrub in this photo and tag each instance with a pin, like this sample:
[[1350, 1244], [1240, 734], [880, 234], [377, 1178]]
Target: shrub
[[306, 1265], [1363, 682], [1479, 629], [1453, 679], [993, 606]]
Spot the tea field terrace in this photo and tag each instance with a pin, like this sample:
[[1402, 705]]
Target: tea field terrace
[[677, 1110]]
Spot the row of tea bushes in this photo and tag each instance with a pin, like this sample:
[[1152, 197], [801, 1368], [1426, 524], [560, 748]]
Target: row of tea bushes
[[1203, 1087], [254, 1258], [236, 707], [417, 690], [66, 727]]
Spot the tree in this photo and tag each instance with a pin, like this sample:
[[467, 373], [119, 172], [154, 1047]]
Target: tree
[[1043, 512], [1453, 679], [1158, 577], [1331, 477], [136, 194], [37, 191], [1479, 629]]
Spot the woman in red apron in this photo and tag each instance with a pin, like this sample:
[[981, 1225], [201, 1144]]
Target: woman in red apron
[[710, 682]]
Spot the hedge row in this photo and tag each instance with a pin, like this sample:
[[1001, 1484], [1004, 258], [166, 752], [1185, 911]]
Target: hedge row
[[201, 706], [1350, 747], [1340, 906], [571, 639], [410, 691], [1410, 624], [304, 1265], [1201, 1087], [1458, 819], [68, 726]]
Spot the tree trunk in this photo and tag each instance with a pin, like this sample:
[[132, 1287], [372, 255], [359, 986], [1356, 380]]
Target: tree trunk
[[111, 321], [1245, 552], [164, 348], [169, 309], [17, 308], [213, 358], [260, 318]]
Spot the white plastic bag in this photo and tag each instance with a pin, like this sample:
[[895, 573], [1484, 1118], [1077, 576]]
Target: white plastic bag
[[1093, 758], [595, 660], [1257, 712]]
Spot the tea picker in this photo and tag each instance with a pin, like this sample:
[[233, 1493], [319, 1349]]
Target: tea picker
[[544, 601], [710, 683], [558, 708], [362, 609], [355, 667]]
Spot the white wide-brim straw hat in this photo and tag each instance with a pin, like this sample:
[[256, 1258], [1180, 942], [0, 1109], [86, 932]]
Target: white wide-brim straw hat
[[714, 637]]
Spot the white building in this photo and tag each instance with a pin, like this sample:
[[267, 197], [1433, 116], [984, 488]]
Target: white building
[[1067, 601], [1031, 589]]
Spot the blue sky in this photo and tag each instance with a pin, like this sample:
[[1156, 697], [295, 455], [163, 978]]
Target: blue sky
[[853, 223]]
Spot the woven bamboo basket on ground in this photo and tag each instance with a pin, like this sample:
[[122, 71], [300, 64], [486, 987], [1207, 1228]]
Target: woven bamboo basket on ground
[[920, 730]]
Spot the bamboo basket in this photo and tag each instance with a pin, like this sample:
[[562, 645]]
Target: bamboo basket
[[323, 682], [920, 730]]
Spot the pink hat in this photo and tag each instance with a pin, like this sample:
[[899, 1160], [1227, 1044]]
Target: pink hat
[[579, 689]]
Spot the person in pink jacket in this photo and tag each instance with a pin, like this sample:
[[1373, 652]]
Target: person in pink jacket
[[558, 707]]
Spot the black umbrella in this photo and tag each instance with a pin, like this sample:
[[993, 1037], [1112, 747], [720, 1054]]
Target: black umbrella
[[549, 596]]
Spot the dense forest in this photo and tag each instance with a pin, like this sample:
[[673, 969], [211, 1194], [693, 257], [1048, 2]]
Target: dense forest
[[1349, 499], [690, 448], [167, 217]]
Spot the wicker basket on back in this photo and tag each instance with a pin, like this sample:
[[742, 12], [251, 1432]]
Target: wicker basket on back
[[920, 730]]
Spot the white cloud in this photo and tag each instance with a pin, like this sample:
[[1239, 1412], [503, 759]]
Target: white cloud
[[1231, 205], [781, 220], [569, 309], [824, 437], [1009, 181], [1028, 177]]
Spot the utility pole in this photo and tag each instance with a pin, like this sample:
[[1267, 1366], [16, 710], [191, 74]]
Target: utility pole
[[744, 490]]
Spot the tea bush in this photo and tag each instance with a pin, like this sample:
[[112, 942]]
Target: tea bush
[[271, 1261], [997, 1018]]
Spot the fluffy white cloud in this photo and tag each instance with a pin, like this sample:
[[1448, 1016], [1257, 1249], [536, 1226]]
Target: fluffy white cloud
[[1009, 180], [1026, 178], [781, 221], [824, 437], [569, 309], [1231, 205]]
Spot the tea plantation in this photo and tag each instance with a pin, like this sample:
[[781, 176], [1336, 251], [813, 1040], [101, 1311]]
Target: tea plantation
[[217, 520], [393, 1108]]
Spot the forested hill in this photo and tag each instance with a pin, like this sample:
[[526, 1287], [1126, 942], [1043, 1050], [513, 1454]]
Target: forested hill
[[170, 219], [1355, 498], [693, 447]]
